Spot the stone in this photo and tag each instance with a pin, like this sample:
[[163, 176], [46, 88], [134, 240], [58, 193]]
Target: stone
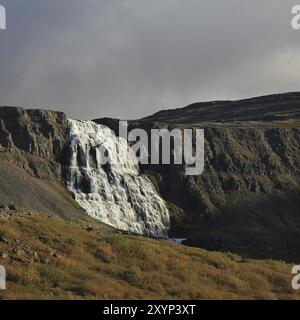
[[89, 229], [5, 240], [12, 208], [45, 260]]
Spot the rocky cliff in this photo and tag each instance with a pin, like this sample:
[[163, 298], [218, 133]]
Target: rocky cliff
[[35, 140], [33, 146], [247, 200]]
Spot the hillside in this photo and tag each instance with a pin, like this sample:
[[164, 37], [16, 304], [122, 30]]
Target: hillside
[[20, 190], [271, 108], [51, 258]]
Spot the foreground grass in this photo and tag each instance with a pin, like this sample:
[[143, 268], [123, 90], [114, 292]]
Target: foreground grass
[[50, 258]]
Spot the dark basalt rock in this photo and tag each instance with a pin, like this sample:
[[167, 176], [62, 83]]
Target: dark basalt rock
[[248, 198], [38, 137]]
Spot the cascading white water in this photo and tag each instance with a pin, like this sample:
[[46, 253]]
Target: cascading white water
[[113, 193]]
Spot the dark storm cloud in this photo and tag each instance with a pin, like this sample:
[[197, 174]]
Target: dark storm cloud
[[129, 58]]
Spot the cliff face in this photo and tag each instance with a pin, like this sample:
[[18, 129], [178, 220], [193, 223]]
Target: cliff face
[[35, 140], [248, 198], [32, 152], [242, 159]]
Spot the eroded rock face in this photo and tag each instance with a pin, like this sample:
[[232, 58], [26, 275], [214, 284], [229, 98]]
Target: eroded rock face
[[254, 158], [40, 133], [38, 137], [242, 159], [113, 193], [248, 198]]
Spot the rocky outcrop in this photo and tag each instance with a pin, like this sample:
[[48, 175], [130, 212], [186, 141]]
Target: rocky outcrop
[[32, 154], [248, 198], [35, 140]]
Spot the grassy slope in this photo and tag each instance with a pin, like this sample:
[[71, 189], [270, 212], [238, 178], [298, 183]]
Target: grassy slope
[[108, 265]]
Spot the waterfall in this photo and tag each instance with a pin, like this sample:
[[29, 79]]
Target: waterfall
[[113, 193]]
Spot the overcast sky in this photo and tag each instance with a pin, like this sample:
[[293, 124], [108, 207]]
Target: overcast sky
[[130, 58]]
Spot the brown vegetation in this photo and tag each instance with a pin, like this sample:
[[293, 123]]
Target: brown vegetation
[[51, 258]]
